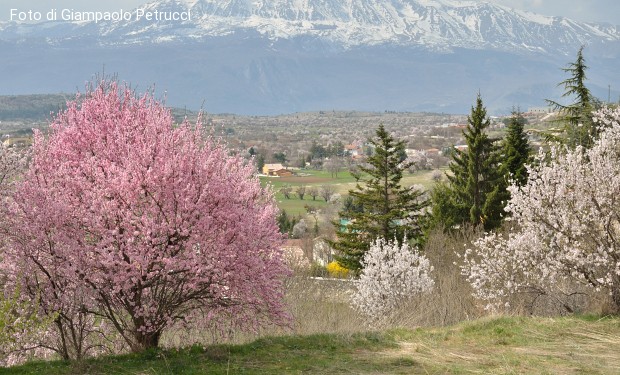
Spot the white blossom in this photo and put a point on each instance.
(300, 229)
(12, 163)
(391, 274)
(568, 224)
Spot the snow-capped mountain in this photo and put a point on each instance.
(437, 24)
(272, 56)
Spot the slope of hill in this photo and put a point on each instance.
(31, 107)
(490, 346)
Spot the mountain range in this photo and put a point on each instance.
(281, 56)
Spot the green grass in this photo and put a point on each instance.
(504, 345)
(296, 206)
(342, 184)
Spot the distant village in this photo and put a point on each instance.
(288, 143)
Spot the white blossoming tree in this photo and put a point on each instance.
(392, 273)
(568, 226)
(12, 164)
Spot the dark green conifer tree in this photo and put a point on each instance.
(260, 163)
(475, 192)
(516, 150)
(387, 209)
(578, 128)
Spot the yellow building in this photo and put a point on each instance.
(17, 142)
(272, 169)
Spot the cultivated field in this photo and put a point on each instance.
(341, 183)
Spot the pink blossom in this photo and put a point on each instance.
(126, 218)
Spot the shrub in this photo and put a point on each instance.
(392, 273)
(334, 269)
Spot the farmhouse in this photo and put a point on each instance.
(284, 173)
(17, 141)
(354, 150)
(276, 170)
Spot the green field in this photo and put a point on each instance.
(504, 345)
(342, 184)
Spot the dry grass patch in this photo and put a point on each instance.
(500, 345)
(515, 346)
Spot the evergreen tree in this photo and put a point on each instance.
(350, 205)
(286, 222)
(280, 157)
(516, 150)
(260, 163)
(475, 192)
(388, 210)
(578, 129)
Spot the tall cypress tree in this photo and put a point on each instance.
(578, 129)
(388, 210)
(476, 189)
(516, 150)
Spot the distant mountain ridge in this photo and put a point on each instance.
(275, 56)
(436, 24)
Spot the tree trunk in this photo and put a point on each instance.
(146, 341)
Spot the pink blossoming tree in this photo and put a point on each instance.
(18, 318)
(125, 220)
(568, 226)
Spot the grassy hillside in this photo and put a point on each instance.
(37, 107)
(31, 107)
(505, 345)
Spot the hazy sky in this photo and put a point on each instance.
(582, 10)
